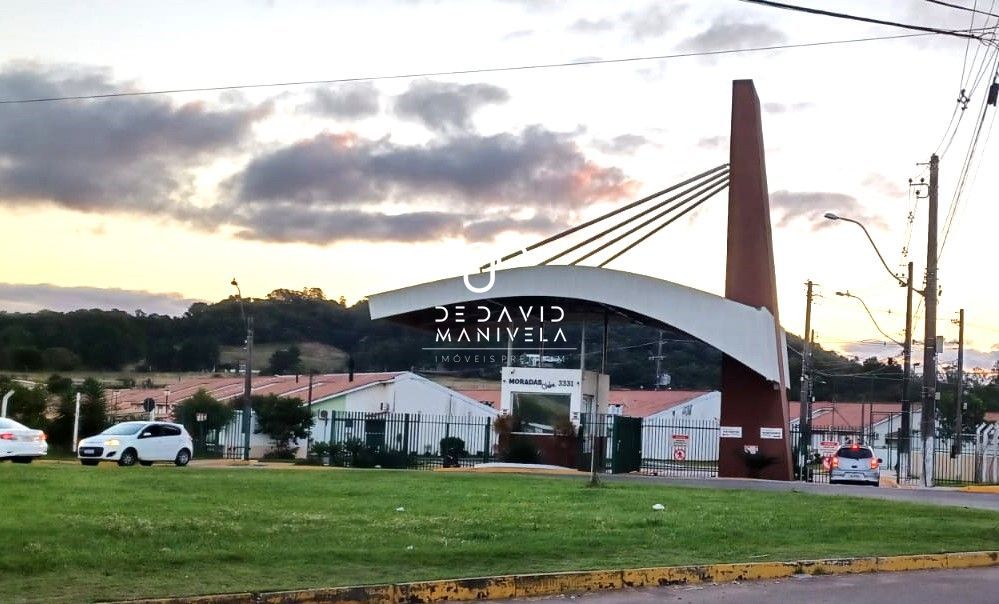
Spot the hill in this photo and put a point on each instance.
(209, 337)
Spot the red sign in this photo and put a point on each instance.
(679, 454)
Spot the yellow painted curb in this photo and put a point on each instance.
(550, 584)
(982, 488)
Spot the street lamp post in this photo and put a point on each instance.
(248, 320)
(905, 430)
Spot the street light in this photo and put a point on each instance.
(247, 373)
(847, 294)
(905, 429)
(894, 276)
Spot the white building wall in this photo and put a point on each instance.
(697, 419)
(379, 409)
(434, 412)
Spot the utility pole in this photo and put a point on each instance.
(959, 410)
(930, 331)
(905, 430)
(247, 387)
(308, 441)
(805, 418)
(659, 359)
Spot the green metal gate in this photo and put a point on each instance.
(626, 444)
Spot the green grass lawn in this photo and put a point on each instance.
(72, 534)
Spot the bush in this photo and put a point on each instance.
(320, 449)
(454, 446)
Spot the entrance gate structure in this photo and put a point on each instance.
(744, 324)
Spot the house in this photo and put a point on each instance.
(359, 405)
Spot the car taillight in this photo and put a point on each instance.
(874, 463)
(835, 462)
(7, 436)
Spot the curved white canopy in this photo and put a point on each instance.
(745, 333)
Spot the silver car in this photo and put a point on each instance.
(855, 464)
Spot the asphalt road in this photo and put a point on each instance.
(935, 496)
(968, 586)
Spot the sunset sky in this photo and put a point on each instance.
(156, 201)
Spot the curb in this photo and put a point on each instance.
(551, 584)
(993, 489)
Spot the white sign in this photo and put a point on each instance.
(828, 448)
(771, 433)
(731, 431)
(680, 442)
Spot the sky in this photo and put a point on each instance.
(358, 187)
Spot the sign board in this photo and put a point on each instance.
(149, 404)
(731, 432)
(201, 416)
(771, 433)
(680, 443)
(828, 448)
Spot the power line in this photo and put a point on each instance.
(959, 7)
(457, 72)
(826, 13)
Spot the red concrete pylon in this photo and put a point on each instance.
(748, 400)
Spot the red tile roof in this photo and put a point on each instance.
(226, 388)
(645, 403)
(636, 403)
(826, 414)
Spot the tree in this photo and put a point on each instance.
(972, 416)
(285, 361)
(218, 414)
(26, 405)
(93, 413)
(285, 420)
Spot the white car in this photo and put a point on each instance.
(20, 443)
(142, 442)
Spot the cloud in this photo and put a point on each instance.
(287, 194)
(783, 108)
(649, 22)
(726, 33)
(624, 144)
(520, 33)
(713, 142)
(653, 21)
(344, 101)
(813, 206)
(447, 107)
(884, 185)
(20, 297)
(590, 26)
(126, 154)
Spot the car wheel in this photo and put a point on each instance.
(143, 462)
(21, 460)
(89, 462)
(128, 458)
(183, 457)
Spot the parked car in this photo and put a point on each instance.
(20, 443)
(855, 464)
(129, 443)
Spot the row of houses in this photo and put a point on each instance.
(664, 412)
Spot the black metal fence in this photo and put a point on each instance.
(404, 439)
(972, 461)
(670, 446)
